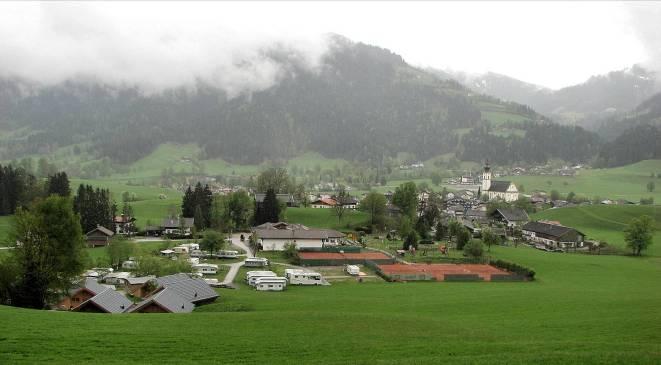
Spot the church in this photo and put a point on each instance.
(494, 189)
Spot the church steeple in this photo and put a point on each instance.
(486, 177)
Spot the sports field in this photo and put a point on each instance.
(581, 309)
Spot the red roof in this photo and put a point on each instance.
(325, 201)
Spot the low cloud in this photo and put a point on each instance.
(646, 22)
(52, 42)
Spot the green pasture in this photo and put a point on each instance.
(627, 182)
(582, 309)
(5, 225)
(606, 222)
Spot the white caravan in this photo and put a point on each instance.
(206, 269)
(252, 276)
(352, 270)
(256, 262)
(303, 277)
(227, 254)
(271, 284)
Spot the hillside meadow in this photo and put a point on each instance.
(582, 309)
(606, 222)
(627, 182)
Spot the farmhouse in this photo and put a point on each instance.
(323, 203)
(177, 226)
(553, 235)
(511, 217)
(494, 189)
(99, 236)
(274, 236)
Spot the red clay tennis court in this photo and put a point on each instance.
(438, 271)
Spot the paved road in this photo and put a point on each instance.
(234, 268)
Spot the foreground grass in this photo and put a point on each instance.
(5, 225)
(583, 309)
(606, 222)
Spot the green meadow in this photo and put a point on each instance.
(325, 218)
(582, 309)
(627, 182)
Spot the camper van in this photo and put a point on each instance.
(206, 269)
(130, 265)
(198, 254)
(352, 270)
(194, 260)
(271, 284)
(256, 262)
(226, 254)
(252, 276)
(303, 277)
(181, 249)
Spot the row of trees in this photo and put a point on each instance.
(197, 204)
(95, 207)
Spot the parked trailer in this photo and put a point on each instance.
(226, 254)
(252, 276)
(303, 277)
(206, 269)
(352, 270)
(181, 249)
(271, 284)
(256, 262)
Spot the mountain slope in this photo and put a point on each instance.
(362, 103)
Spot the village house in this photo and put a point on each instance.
(494, 189)
(99, 236)
(194, 290)
(511, 217)
(178, 226)
(274, 236)
(552, 235)
(108, 301)
(124, 225)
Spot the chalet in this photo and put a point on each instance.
(274, 236)
(108, 301)
(99, 236)
(141, 286)
(552, 235)
(324, 203)
(190, 289)
(90, 287)
(164, 301)
(349, 202)
(124, 225)
(478, 215)
(494, 189)
(177, 226)
(511, 217)
(286, 199)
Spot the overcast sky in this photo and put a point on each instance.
(155, 44)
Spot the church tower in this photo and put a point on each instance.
(486, 178)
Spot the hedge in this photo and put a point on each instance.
(514, 268)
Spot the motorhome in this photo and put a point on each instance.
(194, 260)
(227, 254)
(252, 276)
(256, 262)
(181, 249)
(206, 269)
(271, 284)
(191, 246)
(303, 277)
(352, 270)
(198, 254)
(130, 264)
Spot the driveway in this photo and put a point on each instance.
(234, 268)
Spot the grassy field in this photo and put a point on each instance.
(324, 218)
(606, 222)
(5, 222)
(582, 309)
(627, 182)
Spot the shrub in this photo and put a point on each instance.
(514, 268)
(474, 249)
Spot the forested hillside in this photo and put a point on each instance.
(362, 103)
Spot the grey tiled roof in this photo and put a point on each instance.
(103, 230)
(551, 230)
(139, 280)
(109, 301)
(298, 233)
(168, 300)
(499, 186)
(513, 214)
(175, 222)
(93, 286)
(190, 289)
